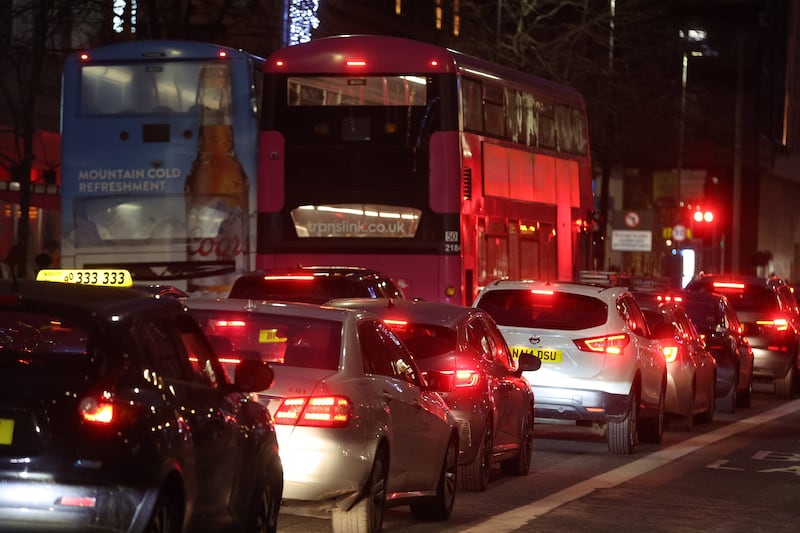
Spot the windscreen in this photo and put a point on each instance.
(424, 340)
(277, 339)
(544, 309)
(43, 341)
(357, 154)
(143, 87)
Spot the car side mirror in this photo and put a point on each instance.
(529, 362)
(438, 381)
(253, 375)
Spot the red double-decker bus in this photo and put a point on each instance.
(443, 170)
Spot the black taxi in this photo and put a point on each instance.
(116, 415)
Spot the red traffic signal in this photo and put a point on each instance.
(703, 216)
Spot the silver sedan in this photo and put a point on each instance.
(358, 427)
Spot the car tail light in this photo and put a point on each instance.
(779, 324)
(670, 353)
(666, 298)
(104, 410)
(610, 344)
(318, 411)
(230, 323)
(76, 501)
(729, 285)
(463, 378)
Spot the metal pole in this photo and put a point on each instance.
(682, 125)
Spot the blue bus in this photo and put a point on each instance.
(159, 162)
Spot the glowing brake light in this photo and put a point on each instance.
(321, 411)
(667, 298)
(96, 410)
(77, 501)
(298, 277)
(609, 344)
(84, 56)
(780, 324)
(356, 63)
(222, 53)
(670, 353)
(463, 378)
(542, 292)
(728, 285)
(230, 323)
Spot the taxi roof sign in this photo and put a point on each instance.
(88, 276)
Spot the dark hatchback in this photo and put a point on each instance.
(717, 321)
(491, 401)
(115, 415)
(768, 312)
(314, 284)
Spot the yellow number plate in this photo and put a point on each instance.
(109, 277)
(6, 430)
(547, 355)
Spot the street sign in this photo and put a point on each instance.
(678, 233)
(632, 241)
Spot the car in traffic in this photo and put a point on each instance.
(491, 401)
(769, 315)
(691, 369)
(601, 363)
(724, 337)
(116, 415)
(359, 427)
(314, 284)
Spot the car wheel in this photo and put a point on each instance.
(707, 416)
(727, 403)
(440, 507)
(474, 477)
(652, 429)
(622, 434)
(166, 517)
(784, 385)
(366, 516)
(521, 464)
(263, 513)
(745, 398)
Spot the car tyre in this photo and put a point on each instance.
(521, 464)
(745, 398)
(784, 386)
(728, 402)
(262, 516)
(622, 435)
(441, 506)
(651, 430)
(166, 516)
(707, 416)
(366, 516)
(474, 477)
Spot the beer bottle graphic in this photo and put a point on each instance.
(216, 190)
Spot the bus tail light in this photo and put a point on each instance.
(609, 344)
(315, 411)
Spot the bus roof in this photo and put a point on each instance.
(155, 49)
(381, 54)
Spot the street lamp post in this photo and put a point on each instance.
(692, 39)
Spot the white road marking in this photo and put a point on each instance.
(519, 517)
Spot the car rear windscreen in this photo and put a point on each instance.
(546, 310)
(43, 340)
(297, 289)
(277, 339)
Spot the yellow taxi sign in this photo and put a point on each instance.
(108, 277)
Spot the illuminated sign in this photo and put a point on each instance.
(107, 277)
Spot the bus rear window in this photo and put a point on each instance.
(143, 88)
(357, 91)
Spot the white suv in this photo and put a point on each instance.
(600, 361)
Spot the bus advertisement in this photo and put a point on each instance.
(159, 155)
(442, 170)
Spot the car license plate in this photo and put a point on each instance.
(547, 355)
(6, 430)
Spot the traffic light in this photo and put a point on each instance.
(703, 224)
